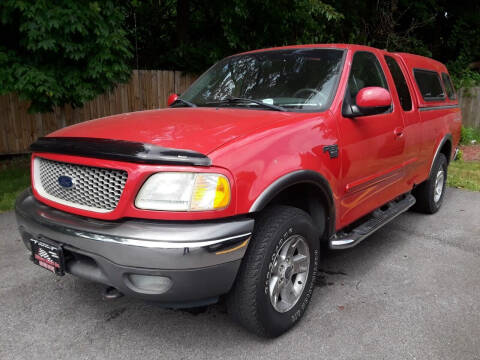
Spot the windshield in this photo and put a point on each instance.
(302, 79)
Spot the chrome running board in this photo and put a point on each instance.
(377, 219)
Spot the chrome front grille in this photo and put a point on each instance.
(84, 187)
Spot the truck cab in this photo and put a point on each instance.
(232, 192)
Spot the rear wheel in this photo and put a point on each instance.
(430, 194)
(276, 278)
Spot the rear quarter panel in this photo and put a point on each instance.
(438, 123)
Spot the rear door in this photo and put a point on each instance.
(411, 119)
(372, 147)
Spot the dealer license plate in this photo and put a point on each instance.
(48, 255)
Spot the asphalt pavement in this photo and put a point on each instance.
(410, 291)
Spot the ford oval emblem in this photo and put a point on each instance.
(66, 182)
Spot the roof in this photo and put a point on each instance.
(307, 46)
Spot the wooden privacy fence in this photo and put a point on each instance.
(469, 100)
(145, 90)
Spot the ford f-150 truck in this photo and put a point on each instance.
(233, 190)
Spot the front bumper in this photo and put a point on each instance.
(199, 259)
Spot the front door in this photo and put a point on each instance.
(372, 147)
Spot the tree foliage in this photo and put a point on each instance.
(55, 52)
(192, 34)
(67, 51)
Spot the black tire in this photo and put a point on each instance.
(249, 301)
(425, 192)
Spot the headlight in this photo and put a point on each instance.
(183, 191)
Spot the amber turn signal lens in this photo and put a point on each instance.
(222, 194)
(210, 192)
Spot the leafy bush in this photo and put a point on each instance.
(191, 35)
(459, 156)
(62, 52)
(469, 136)
(462, 76)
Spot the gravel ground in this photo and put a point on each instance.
(410, 291)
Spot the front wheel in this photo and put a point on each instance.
(276, 279)
(430, 194)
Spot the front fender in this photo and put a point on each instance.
(290, 179)
(300, 177)
(291, 152)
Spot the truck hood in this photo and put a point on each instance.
(198, 129)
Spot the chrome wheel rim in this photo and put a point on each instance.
(439, 184)
(289, 273)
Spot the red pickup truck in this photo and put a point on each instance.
(231, 192)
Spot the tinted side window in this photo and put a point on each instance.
(448, 86)
(429, 84)
(366, 71)
(400, 83)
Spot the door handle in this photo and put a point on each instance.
(398, 132)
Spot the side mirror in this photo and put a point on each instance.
(171, 99)
(369, 101)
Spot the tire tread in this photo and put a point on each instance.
(423, 192)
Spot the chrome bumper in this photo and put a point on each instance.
(181, 251)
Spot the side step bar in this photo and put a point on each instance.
(377, 219)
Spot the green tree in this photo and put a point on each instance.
(448, 31)
(67, 51)
(55, 52)
(192, 34)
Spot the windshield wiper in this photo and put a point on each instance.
(188, 103)
(233, 100)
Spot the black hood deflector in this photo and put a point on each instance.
(120, 150)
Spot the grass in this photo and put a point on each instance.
(470, 136)
(464, 175)
(14, 178)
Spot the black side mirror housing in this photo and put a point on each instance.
(352, 111)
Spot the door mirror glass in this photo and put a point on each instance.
(171, 99)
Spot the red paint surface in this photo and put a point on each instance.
(373, 97)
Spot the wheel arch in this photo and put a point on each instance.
(445, 147)
(305, 189)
